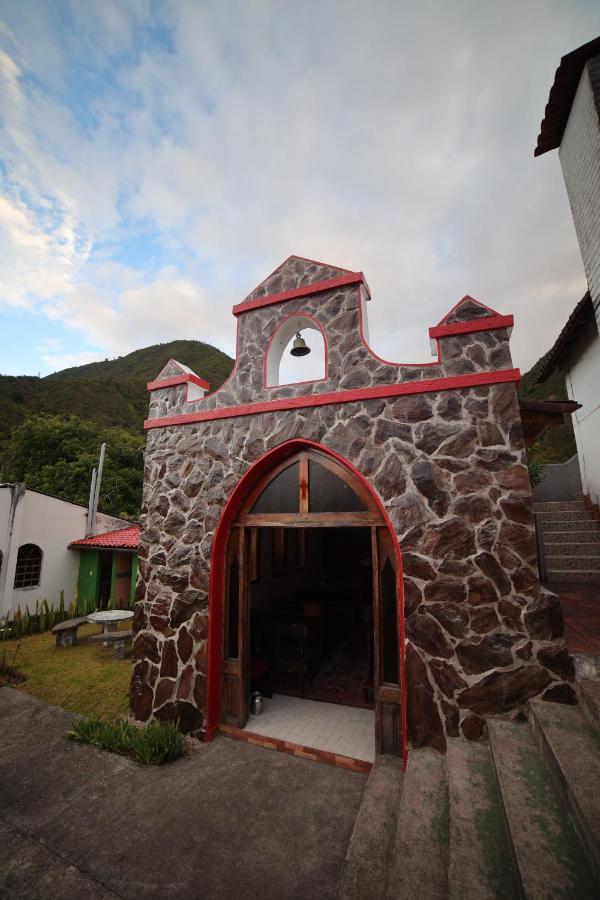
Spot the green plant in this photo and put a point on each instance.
(534, 466)
(152, 744)
(7, 669)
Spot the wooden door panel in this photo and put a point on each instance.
(388, 692)
(234, 694)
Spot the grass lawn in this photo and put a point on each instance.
(84, 679)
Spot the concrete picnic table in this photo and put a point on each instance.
(109, 617)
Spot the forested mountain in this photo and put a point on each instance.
(112, 392)
(557, 444)
(51, 428)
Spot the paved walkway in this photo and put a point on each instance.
(580, 603)
(229, 821)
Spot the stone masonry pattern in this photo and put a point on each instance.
(482, 636)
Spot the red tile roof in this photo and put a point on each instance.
(123, 539)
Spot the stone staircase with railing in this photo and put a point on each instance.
(570, 539)
(518, 817)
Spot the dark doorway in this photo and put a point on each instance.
(308, 627)
(105, 580)
(311, 614)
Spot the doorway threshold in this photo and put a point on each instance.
(338, 735)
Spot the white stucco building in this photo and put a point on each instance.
(572, 124)
(35, 560)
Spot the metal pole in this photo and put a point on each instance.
(90, 512)
(98, 484)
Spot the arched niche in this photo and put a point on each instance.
(309, 368)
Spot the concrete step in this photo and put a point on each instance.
(571, 748)
(583, 525)
(419, 860)
(555, 518)
(589, 697)
(480, 861)
(559, 506)
(549, 859)
(578, 561)
(587, 667)
(573, 536)
(562, 574)
(365, 868)
(581, 548)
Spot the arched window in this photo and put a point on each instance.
(308, 489)
(29, 566)
(283, 368)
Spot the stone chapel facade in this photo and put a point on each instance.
(440, 448)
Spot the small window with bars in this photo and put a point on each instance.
(29, 566)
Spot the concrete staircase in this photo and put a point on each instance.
(571, 541)
(516, 818)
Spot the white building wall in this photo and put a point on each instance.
(27, 517)
(583, 385)
(579, 155)
(51, 524)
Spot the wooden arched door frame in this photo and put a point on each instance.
(237, 517)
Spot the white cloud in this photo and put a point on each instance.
(389, 137)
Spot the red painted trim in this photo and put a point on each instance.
(486, 324)
(304, 315)
(315, 262)
(465, 299)
(304, 291)
(216, 584)
(185, 378)
(406, 388)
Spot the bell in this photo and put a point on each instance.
(299, 348)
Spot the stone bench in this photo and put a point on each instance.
(66, 632)
(117, 638)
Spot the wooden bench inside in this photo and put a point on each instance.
(66, 632)
(117, 638)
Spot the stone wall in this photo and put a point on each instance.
(449, 467)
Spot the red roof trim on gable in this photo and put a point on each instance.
(173, 380)
(467, 299)
(314, 262)
(488, 323)
(406, 388)
(304, 291)
(122, 539)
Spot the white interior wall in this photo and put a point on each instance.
(583, 380)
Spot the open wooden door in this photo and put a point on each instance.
(235, 638)
(387, 634)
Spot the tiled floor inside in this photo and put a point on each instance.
(345, 730)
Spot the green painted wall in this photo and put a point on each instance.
(113, 578)
(89, 578)
(134, 569)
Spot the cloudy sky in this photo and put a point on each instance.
(158, 159)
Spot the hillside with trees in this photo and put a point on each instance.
(557, 444)
(112, 392)
(51, 428)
